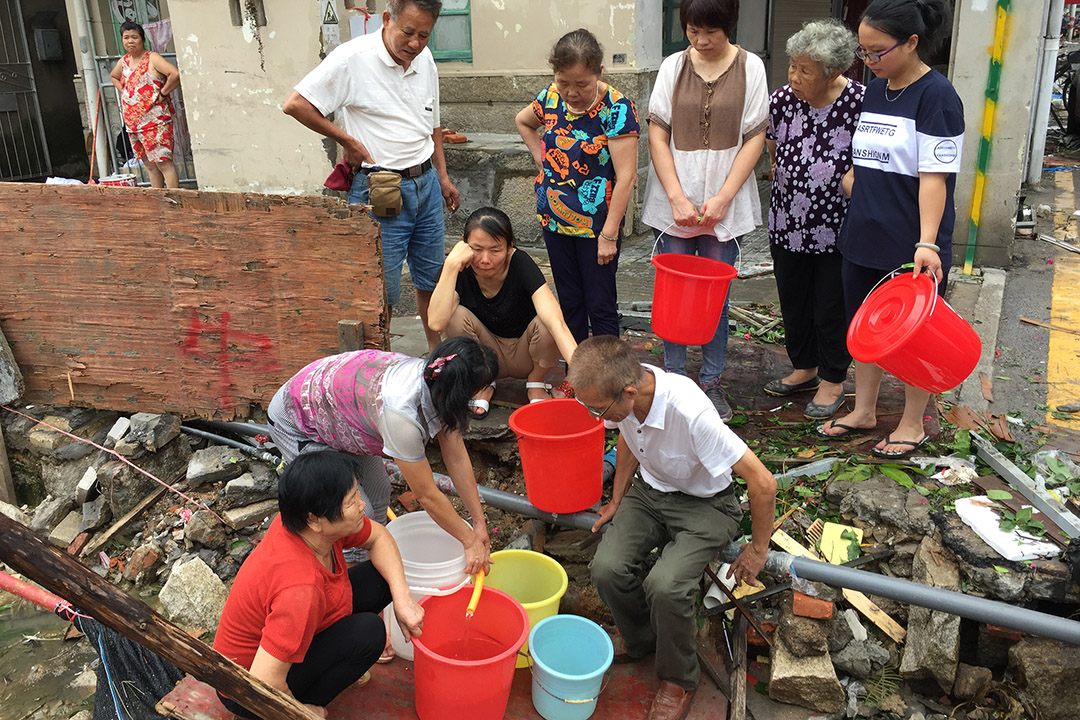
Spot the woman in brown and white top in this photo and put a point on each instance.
(707, 117)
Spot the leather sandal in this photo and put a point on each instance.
(484, 405)
(546, 387)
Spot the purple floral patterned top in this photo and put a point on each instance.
(813, 151)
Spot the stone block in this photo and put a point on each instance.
(87, 487)
(125, 487)
(250, 514)
(152, 431)
(95, 514)
(972, 682)
(204, 530)
(50, 512)
(573, 546)
(9, 510)
(803, 635)
(251, 487)
(65, 532)
(214, 464)
(932, 649)
(11, 379)
(193, 596)
(1050, 672)
(62, 478)
(118, 431)
(808, 682)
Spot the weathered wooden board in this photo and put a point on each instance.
(197, 303)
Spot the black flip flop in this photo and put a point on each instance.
(848, 430)
(913, 446)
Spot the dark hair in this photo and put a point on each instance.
(493, 221)
(315, 483)
(579, 47)
(931, 20)
(130, 25)
(431, 7)
(713, 14)
(454, 381)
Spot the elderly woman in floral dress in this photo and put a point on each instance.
(811, 122)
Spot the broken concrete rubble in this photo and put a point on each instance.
(259, 484)
(65, 532)
(933, 642)
(213, 464)
(193, 596)
(809, 682)
(1049, 671)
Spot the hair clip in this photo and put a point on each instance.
(437, 364)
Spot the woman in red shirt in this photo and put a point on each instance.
(297, 617)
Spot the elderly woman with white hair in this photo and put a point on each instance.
(811, 123)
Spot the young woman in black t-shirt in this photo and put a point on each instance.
(493, 292)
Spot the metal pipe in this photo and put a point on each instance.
(90, 80)
(780, 564)
(248, 449)
(1051, 42)
(515, 503)
(240, 428)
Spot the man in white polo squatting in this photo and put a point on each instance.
(683, 503)
(388, 89)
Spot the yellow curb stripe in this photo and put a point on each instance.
(1063, 358)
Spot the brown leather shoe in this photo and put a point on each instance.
(671, 702)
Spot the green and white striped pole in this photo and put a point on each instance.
(993, 84)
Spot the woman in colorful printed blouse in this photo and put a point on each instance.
(586, 151)
(375, 404)
(145, 81)
(906, 152)
(811, 122)
(707, 118)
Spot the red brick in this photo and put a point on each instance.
(811, 607)
(1004, 632)
(754, 639)
(78, 543)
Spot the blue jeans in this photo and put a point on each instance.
(712, 352)
(417, 233)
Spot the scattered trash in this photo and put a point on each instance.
(982, 515)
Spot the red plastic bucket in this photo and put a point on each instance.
(562, 454)
(466, 671)
(688, 297)
(908, 330)
(118, 180)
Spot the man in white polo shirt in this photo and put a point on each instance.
(387, 87)
(683, 504)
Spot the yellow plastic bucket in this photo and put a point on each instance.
(533, 579)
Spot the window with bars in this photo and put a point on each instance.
(451, 41)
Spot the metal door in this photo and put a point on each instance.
(23, 152)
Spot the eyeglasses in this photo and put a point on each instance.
(600, 414)
(874, 57)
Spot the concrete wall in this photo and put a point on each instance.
(972, 43)
(235, 80)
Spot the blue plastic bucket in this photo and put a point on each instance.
(570, 655)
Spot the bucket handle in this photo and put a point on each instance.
(734, 239)
(608, 674)
(900, 271)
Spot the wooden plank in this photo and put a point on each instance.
(856, 599)
(97, 543)
(190, 302)
(738, 673)
(29, 554)
(1048, 326)
(350, 335)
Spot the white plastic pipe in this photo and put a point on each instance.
(90, 80)
(1048, 64)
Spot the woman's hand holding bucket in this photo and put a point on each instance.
(410, 617)
(928, 259)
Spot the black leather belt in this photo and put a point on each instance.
(726, 491)
(410, 172)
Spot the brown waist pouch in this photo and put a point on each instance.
(384, 193)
